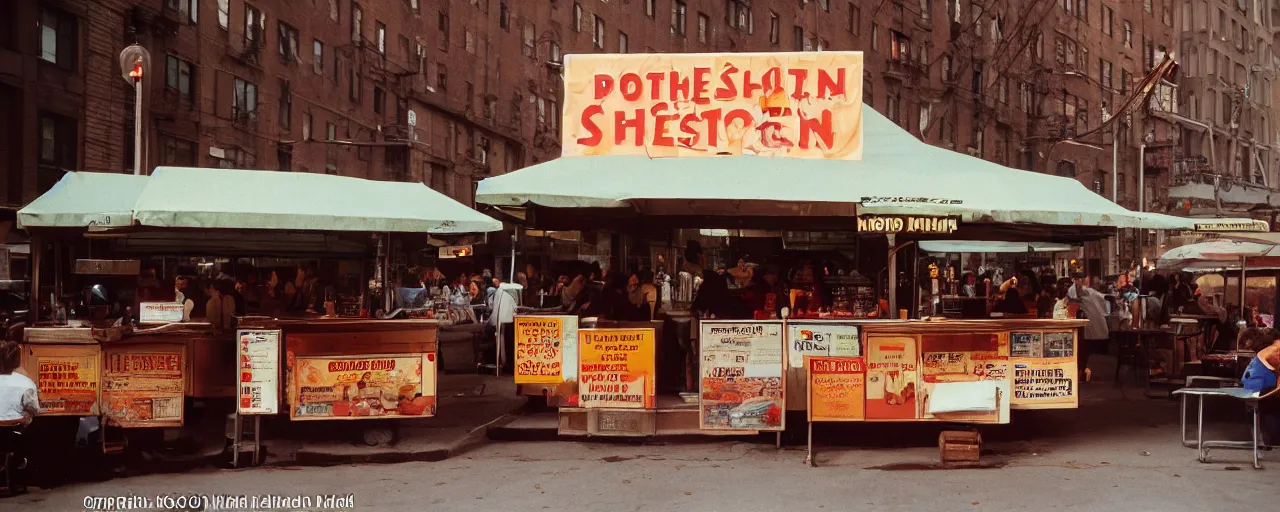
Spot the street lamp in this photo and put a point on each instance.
(134, 61)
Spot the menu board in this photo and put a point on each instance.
(965, 377)
(1044, 373)
(616, 368)
(741, 385)
(546, 349)
(160, 312)
(258, 374)
(143, 386)
(892, 373)
(837, 388)
(66, 379)
(821, 339)
(363, 387)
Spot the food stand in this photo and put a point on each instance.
(767, 143)
(321, 363)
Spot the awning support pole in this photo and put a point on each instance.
(37, 258)
(892, 292)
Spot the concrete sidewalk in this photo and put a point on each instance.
(468, 405)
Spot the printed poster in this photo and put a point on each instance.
(363, 387)
(1059, 344)
(160, 312)
(742, 381)
(950, 366)
(1026, 344)
(892, 373)
(546, 349)
(617, 368)
(821, 339)
(143, 387)
(1044, 383)
(837, 388)
(68, 384)
(259, 372)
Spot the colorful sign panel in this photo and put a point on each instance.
(892, 375)
(965, 377)
(1045, 375)
(143, 387)
(837, 388)
(616, 368)
(821, 339)
(908, 224)
(742, 382)
(794, 104)
(546, 349)
(68, 384)
(258, 375)
(363, 387)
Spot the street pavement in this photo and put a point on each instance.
(1118, 451)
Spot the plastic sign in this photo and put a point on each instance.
(160, 312)
(907, 224)
(793, 104)
(456, 251)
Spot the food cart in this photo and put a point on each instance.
(769, 143)
(138, 361)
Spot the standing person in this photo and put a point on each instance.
(502, 311)
(642, 296)
(1096, 334)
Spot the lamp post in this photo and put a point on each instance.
(134, 61)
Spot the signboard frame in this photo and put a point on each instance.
(273, 339)
(34, 353)
(645, 352)
(708, 356)
(127, 352)
(1065, 364)
(427, 359)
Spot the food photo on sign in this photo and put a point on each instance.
(742, 385)
(361, 387)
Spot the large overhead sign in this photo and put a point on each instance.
(795, 104)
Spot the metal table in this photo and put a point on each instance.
(1250, 399)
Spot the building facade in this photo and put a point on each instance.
(448, 92)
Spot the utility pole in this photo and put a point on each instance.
(1115, 189)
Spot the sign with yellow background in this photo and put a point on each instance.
(837, 388)
(144, 387)
(540, 349)
(68, 384)
(793, 104)
(616, 368)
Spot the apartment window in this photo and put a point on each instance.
(1166, 12)
(899, 46)
(317, 57)
(355, 84)
(797, 37)
(825, 4)
(381, 32)
(854, 18)
(1104, 74)
(622, 42)
(649, 8)
(679, 11)
(1067, 5)
(442, 24)
(1024, 97)
(1107, 18)
(57, 149)
(357, 23)
(177, 76)
(1082, 10)
(1146, 6)
(1128, 34)
(925, 7)
(1124, 82)
(379, 98)
(288, 42)
(306, 126)
(185, 8)
(442, 77)
(285, 114)
(528, 35)
(337, 68)
(891, 107)
(1003, 84)
(254, 23)
(330, 131)
(597, 37)
(1186, 17)
(555, 52)
(577, 17)
(976, 84)
(948, 68)
(703, 21)
(224, 13)
(244, 101)
(504, 15)
(978, 143)
(775, 26)
(178, 152)
(1222, 22)
(875, 36)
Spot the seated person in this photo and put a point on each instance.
(19, 403)
(1260, 377)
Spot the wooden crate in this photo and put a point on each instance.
(959, 448)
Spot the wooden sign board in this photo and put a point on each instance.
(108, 267)
(144, 385)
(837, 389)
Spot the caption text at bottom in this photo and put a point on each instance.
(229, 502)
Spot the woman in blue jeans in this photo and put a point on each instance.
(1260, 377)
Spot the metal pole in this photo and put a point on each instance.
(137, 126)
(515, 235)
(808, 458)
(893, 278)
(1142, 191)
(1115, 197)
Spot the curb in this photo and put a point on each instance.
(473, 439)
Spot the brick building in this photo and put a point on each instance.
(448, 92)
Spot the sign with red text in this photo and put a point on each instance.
(617, 368)
(546, 349)
(364, 387)
(258, 372)
(837, 388)
(143, 386)
(793, 104)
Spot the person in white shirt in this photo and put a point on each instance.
(502, 312)
(1096, 333)
(19, 400)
